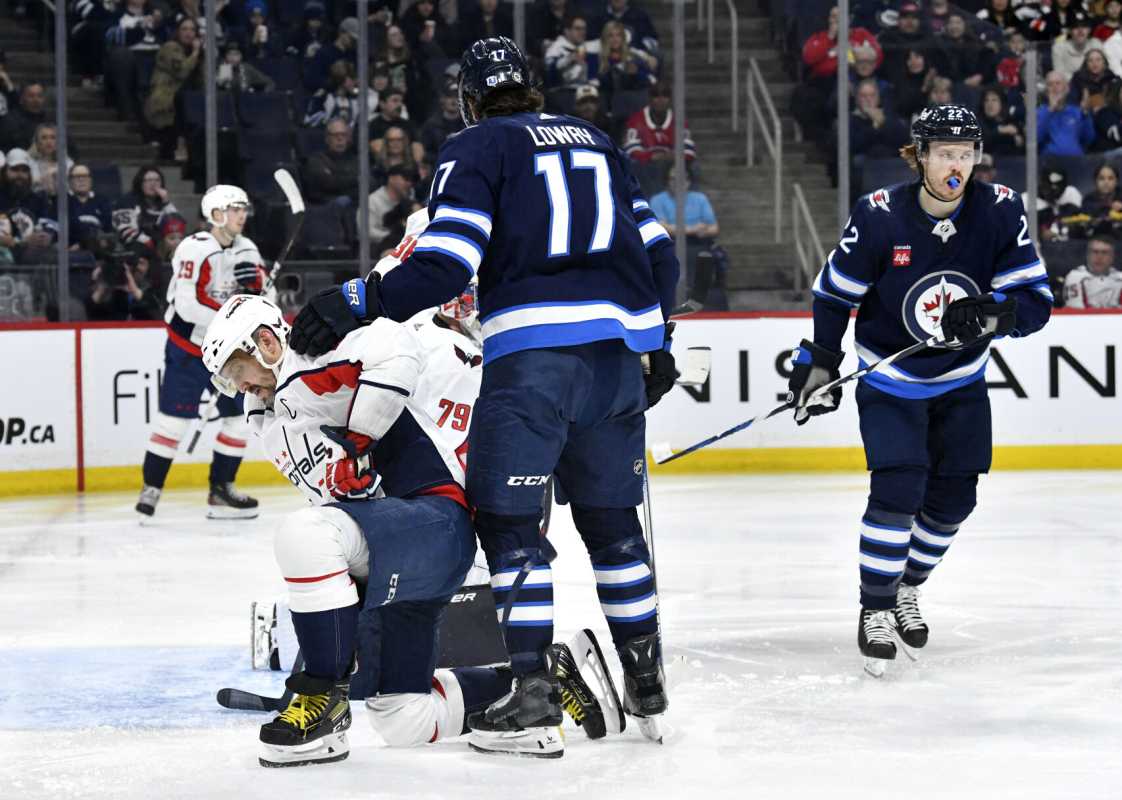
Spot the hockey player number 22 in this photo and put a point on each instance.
(551, 166)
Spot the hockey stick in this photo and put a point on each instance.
(296, 207)
(649, 726)
(698, 362)
(662, 452)
(206, 416)
(241, 700)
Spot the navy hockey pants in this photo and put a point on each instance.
(925, 456)
(576, 412)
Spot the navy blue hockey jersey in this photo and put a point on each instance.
(901, 268)
(567, 251)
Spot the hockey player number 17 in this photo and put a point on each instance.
(551, 167)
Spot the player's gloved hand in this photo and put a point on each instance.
(352, 476)
(814, 367)
(249, 277)
(968, 319)
(659, 373)
(332, 314)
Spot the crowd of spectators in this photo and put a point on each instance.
(287, 73)
(906, 55)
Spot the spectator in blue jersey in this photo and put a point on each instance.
(614, 65)
(305, 40)
(566, 62)
(577, 280)
(30, 227)
(316, 68)
(259, 39)
(1063, 129)
(91, 214)
(135, 34)
(138, 215)
(640, 29)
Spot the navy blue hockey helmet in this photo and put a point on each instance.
(490, 64)
(949, 123)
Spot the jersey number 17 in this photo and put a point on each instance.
(551, 166)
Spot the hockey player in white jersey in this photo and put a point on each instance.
(207, 268)
(1096, 284)
(349, 430)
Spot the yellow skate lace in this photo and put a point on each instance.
(304, 709)
(572, 705)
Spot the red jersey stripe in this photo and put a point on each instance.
(450, 490)
(184, 344)
(229, 441)
(200, 287)
(315, 578)
(165, 441)
(332, 378)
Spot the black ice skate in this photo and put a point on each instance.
(644, 684)
(523, 723)
(596, 712)
(146, 505)
(226, 502)
(910, 626)
(313, 729)
(876, 639)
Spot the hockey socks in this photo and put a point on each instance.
(481, 686)
(327, 640)
(155, 469)
(223, 468)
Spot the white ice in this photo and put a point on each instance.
(114, 638)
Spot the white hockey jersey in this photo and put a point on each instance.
(1082, 289)
(202, 279)
(381, 382)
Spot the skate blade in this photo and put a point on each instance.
(875, 666)
(586, 650)
(225, 512)
(650, 727)
(325, 750)
(911, 652)
(526, 743)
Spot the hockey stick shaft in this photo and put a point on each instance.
(206, 411)
(876, 366)
(296, 207)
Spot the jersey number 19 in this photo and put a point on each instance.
(551, 166)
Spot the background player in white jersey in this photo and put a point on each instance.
(207, 268)
(1096, 284)
(348, 429)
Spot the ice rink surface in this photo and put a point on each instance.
(114, 638)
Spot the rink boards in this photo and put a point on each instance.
(78, 399)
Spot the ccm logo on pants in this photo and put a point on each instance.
(527, 480)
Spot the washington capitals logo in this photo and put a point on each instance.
(928, 298)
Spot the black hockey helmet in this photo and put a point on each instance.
(490, 64)
(949, 123)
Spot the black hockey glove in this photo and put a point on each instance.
(968, 319)
(332, 314)
(249, 277)
(659, 373)
(814, 367)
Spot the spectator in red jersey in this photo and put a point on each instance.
(1111, 21)
(650, 131)
(820, 58)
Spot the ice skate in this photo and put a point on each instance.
(598, 713)
(525, 722)
(146, 504)
(910, 626)
(262, 623)
(226, 502)
(875, 638)
(644, 684)
(313, 729)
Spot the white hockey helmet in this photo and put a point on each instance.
(232, 329)
(464, 309)
(220, 197)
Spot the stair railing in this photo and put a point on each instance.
(734, 51)
(761, 111)
(809, 255)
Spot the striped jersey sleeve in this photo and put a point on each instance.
(1018, 268)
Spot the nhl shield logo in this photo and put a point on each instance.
(925, 302)
(902, 255)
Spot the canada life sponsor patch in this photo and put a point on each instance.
(902, 255)
(927, 299)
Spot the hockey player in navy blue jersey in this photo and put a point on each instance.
(943, 254)
(576, 283)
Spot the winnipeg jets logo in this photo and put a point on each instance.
(927, 300)
(1002, 193)
(879, 199)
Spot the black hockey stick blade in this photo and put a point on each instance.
(241, 700)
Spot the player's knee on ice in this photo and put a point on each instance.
(407, 720)
(318, 550)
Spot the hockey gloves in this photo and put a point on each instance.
(351, 477)
(249, 277)
(332, 314)
(659, 373)
(968, 319)
(814, 367)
